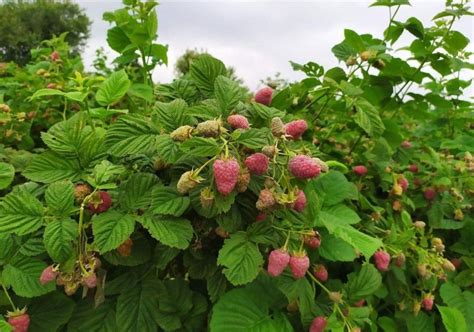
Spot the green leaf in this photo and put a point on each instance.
(167, 200)
(333, 187)
(89, 317)
(4, 326)
(111, 229)
(354, 40)
(453, 296)
(367, 117)
(339, 215)
(173, 232)
(59, 236)
(131, 134)
(343, 51)
(247, 309)
(363, 283)
(200, 147)
(455, 42)
(390, 3)
(241, 258)
(46, 92)
(136, 192)
(7, 173)
(204, 71)
(141, 252)
(172, 115)
(350, 90)
(453, 319)
(113, 88)
(228, 93)
(159, 53)
(336, 249)
(167, 149)
(50, 312)
(117, 39)
(420, 322)
(137, 308)
(20, 213)
(60, 197)
(23, 274)
(142, 91)
(415, 27)
(50, 167)
(105, 172)
(253, 138)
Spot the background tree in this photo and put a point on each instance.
(24, 25)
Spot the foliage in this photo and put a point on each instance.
(19, 33)
(121, 199)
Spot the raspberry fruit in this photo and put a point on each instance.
(125, 249)
(261, 217)
(51, 86)
(312, 242)
(243, 181)
(382, 260)
(278, 128)
(188, 181)
(413, 168)
(19, 320)
(264, 96)
(406, 144)
(206, 198)
(49, 274)
(300, 202)
(210, 128)
(400, 259)
(101, 203)
(81, 190)
(237, 121)
(295, 129)
(54, 56)
(299, 264)
(90, 280)
(269, 151)
(277, 262)
(182, 133)
(456, 262)
(430, 194)
(318, 324)
(359, 170)
(359, 303)
(403, 182)
(320, 272)
(266, 200)
(324, 167)
(428, 301)
(257, 163)
(226, 174)
(304, 167)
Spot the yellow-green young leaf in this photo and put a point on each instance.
(59, 237)
(49, 312)
(22, 274)
(113, 88)
(60, 197)
(137, 308)
(89, 317)
(363, 283)
(20, 213)
(173, 232)
(7, 172)
(368, 118)
(111, 229)
(49, 167)
(4, 326)
(167, 200)
(241, 259)
(453, 319)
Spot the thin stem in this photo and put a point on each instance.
(8, 297)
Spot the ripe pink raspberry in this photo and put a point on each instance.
(299, 264)
(406, 144)
(304, 167)
(19, 320)
(382, 260)
(277, 262)
(102, 203)
(456, 262)
(295, 129)
(261, 217)
(264, 96)
(320, 272)
(318, 324)
(237, 121)
(90, 280)
(312, 242)
(55, 56)
(359, 303)
(226, 174)
(430, 194)
(49, 274)
(300, 202)
(403, 182)
(413, 168)
(257, 163)
(51, 86)
(428, 301)
(359, 170)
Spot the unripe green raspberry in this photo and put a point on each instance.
(182, 133)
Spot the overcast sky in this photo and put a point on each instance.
(259, 38)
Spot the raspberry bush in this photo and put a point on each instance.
(341, 202)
